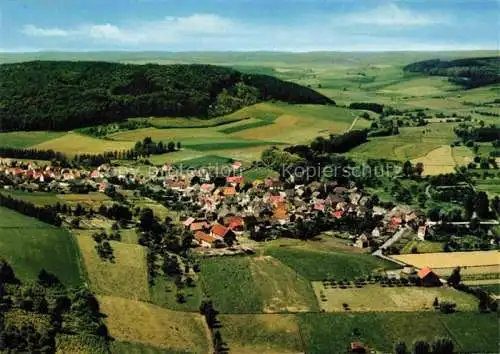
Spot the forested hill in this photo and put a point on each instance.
(469, 73)
(63, 95)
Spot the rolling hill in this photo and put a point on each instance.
(63, 95)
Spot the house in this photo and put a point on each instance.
(234, 223)
(219, 231)
(428, 277)
(376, 232)
(198, 226)
(234, 180)
(207, 187)
(204, 239)
(362, 241)
(337, 214)
(229, 191)
(236, 165)
(188, 221)
(357, 347)
(102, 186)
(422, 230)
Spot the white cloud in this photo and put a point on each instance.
(165, 31)
(393, 15)
(34, 31)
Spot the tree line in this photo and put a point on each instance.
(71, 95)
(467, 72)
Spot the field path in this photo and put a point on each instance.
(353, 124)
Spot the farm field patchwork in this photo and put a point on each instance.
(30, 245)
(266, 334)
(126, 276)
(471, 332)
(377, 298)
(143, 323)
(438, 161)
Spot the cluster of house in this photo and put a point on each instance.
(35, 177)
(268, 200)
(273, 205)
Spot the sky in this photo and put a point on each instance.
(248, 25)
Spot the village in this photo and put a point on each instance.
(221, 212)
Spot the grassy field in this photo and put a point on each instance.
(255, 285)
(27, 139)
(281, 288)
(73, 143)
(163, 293)
(411, 143)
(377, 298)
(126, 277)
(37, 198)
(315, 265)
(471, 332)
(423, 247)
(450, 259)
(117, 347)
(30, 245)
(266, 334)
(150, 325)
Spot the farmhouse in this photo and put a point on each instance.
(204, 239)
(428, 277)
(357, 347)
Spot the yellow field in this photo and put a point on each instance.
(438, 161)
(265, 334)
(475, 272)
(73, 143)
(282, 289)
(127, 277)
(377, 298)
(140, 322)
(451, 259)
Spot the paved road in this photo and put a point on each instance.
(489, 222)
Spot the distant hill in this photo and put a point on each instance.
(63, 95)
(469, 72)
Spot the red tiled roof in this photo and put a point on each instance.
(234, 179)
(338, 214)
(188, 221)
(424, 272)
(201, 236)
(219, 230)
(229, 191)
(195, 226)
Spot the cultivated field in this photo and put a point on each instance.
(140, 322)
(326, 333)
(451, 259)
(438, 161)
(267, 334)
(255, 285)
(27, 139)
(316, 265)
(125, 277)
(30, 245)
(377, 298)
(282, 289)
(37, 198)
(73, 143)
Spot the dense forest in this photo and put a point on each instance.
(469, 73)
(63, 95)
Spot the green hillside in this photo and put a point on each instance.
(62, 95)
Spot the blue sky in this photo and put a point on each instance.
(244, 25)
